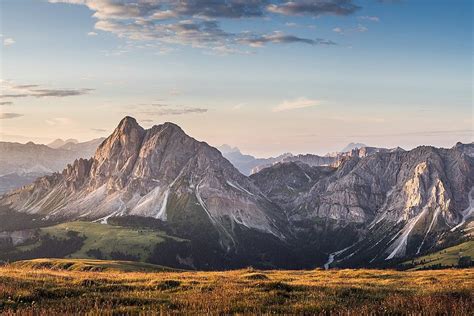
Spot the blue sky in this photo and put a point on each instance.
(268, 76)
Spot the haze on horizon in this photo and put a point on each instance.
(267, 76)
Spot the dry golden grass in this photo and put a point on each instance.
(358, 292)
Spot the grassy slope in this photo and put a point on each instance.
(107, 238)
(447, 257)
(89, 265)
(45, 291)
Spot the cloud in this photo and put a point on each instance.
(174, 111)
(8, 41)
(99, 130)
(92, 34)
(314, 7)
(59, 121)
(4, 116)
(280, 38)
(198, 23)
(6, 103)
(163, 109)
(11, 90)
(358, 29)
(298, 103)
(370, 18)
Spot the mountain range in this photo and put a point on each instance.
(366, 207)
(21, 164)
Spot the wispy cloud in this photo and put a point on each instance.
(278, 37)
(4, 116)
(358, 29)
(369, 18)
(298, 103)
(12, 90)
(99, 130)
(59, 121)
(163, 109)
(6, 103)
(92, 34)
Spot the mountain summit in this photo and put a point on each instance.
(159, 172)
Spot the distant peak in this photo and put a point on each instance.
(352, 146)
(228, 149)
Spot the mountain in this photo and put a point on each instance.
(352, 146)
(309, 159)
(393, 204)
(160, 173)
(369, 207)
(21, 164)
(57, 143)
(246, 164)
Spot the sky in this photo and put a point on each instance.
(267, 76)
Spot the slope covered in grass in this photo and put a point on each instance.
(448, 257)
(89, 265)
(88, 240)
(34, 290)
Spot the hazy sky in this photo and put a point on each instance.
(266, 76)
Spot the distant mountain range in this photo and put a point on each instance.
(370, 207)
(21, 164)
(248, 164)
(57, 143)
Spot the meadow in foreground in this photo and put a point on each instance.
(64, 287)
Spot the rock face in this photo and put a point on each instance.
(404, 201)
(160, 172)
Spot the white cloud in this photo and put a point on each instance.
(298, 103)
(370, 18)
(8, 41)
(198, 23)
(361, 28)
(338, 30)
(92, 34)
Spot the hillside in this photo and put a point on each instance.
(77, 265)
(31, 288)
(446, 258)
(86, 240)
